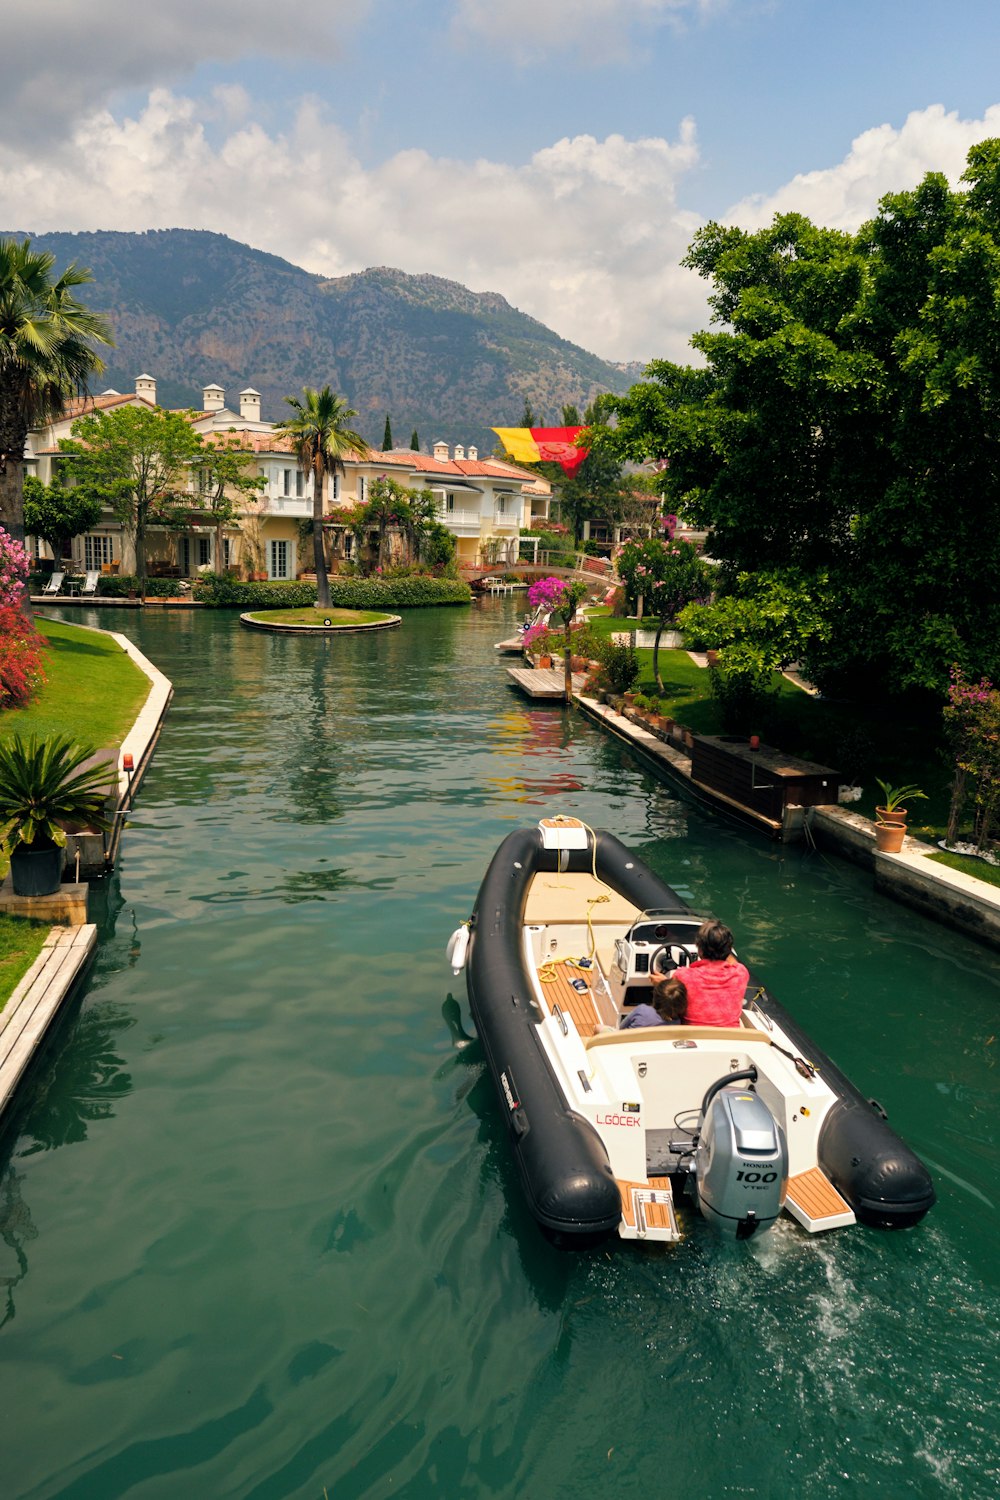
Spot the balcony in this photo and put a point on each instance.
(289, 505)
(461, 522)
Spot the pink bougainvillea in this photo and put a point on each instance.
(546, 591)
(14, 568)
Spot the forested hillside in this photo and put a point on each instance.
(190, 307)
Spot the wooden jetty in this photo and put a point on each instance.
(512, 646)
(543, 682)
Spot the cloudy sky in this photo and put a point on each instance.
(560, 152)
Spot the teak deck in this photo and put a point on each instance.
(815, 1202)
(583, 1009)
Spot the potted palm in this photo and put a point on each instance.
(42, 791)
(890, 825)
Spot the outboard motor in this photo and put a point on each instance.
(741, 1160)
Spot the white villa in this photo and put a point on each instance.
(484, 501)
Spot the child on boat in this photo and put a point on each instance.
(669, 1007)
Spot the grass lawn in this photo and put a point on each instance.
(813, 728)
(92, 691)
(310, 615)
(20, 944)
(979, 869)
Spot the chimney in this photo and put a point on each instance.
(459, 452)
(250, 405)
(145, 386)
(473, 454)
(213, 398)
(441, 452)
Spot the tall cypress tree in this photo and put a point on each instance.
(414, 441)
(387, 436)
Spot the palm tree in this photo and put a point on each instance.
(46, 354)
(322, 440)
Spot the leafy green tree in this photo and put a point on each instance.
(528, 416)
(322, 440)
(414, 441)
(225, 485)
(846, 423)
(57, 514)
(669, 575)
(387, 436)
(767, 622)
(136, 460)
(47, 353)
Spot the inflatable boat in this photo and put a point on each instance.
(611, 1128)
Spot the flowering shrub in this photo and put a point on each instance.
(21, 649)
(668, 575)
(548, 592)
(14, 568)
(972, 724)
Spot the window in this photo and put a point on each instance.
(279, 559)
(203, 546)
(287, 482)
(449, 504)
(336, 486)
(501, 505)
(97, 550)
(300, 483)
(362, 488)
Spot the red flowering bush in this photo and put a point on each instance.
(21, 648)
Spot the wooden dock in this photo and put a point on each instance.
(512, 646)
(544, 682)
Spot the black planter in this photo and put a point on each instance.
(36, 872)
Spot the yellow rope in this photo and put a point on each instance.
(547, 972)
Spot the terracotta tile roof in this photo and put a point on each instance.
(79, 406)
(484, 468)
(250, 442)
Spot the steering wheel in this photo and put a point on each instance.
(666, 960)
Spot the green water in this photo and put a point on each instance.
(259, 1233)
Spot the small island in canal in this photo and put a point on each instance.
(313, 620)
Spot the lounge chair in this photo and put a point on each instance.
(90, 582)
(54, 584)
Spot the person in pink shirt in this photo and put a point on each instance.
(716, 983)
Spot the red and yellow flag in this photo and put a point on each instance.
(529, 445)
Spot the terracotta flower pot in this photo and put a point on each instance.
(545, 661)
(889, 837)
(896, 818)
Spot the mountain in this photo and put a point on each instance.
(190, 308)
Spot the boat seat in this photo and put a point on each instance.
(569, 898)
(742, 1034)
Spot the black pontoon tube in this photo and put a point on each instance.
(561, 1159)
(560, 1156)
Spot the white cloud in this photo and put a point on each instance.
(882, 160)
(59, 60)
(600, 31)
(586, 235)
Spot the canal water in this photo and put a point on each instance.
(260, 1236)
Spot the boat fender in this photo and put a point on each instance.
(458, 947)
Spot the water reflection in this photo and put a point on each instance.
(16, 1229)
(80, 1080)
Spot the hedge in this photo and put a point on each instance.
(120, 585)
(345, 593)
